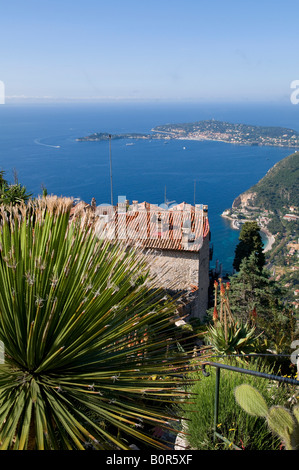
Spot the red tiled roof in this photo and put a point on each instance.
(182, 227)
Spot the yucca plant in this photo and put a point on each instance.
(85, 331)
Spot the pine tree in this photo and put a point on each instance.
(250, 241)
(254, 296)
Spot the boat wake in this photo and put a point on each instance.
(36, 141)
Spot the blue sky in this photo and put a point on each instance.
(216, 50)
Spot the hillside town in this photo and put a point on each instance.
(241, 134)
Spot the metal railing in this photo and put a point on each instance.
(220, 366)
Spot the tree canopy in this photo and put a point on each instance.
(250, 242)
(255, 297)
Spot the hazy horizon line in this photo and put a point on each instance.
(22, 99)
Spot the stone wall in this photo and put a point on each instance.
(185, 271)
(203, 277)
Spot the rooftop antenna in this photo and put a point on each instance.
(111, 187)
(166, 202)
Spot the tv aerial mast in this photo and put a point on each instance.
(110, 158)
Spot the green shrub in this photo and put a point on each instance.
(241, 429)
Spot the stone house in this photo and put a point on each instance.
(175, 240)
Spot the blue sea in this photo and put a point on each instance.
(39, 142)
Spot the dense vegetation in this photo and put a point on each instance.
(279, 187)
(248, 328)
(250, 241)
(241, 430)
(255, 297)
(268, 202)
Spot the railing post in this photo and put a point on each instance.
(219, 366)
(216, 403)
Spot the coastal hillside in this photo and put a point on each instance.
(277, 190)
(234, 133)
(274, 204)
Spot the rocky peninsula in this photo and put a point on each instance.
(211, 130)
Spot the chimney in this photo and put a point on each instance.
(93, 203)
(185, 238)
(121, 207)
(186, 230)
(171, 225)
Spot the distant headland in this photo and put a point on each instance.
(211, 130)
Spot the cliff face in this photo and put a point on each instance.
(277, 190)
(244, 200)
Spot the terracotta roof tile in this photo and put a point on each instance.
(182, 227)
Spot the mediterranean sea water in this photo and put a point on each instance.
(39, 142)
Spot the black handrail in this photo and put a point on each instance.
(220, 366)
